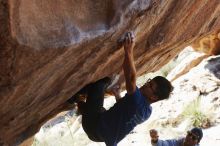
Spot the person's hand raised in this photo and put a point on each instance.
(128, 42)
(154, 135)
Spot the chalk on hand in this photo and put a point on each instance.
(121, 40)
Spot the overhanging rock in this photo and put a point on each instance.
(51, 49)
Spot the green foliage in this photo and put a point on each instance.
(36, 142)
(194, 112)
(166, 69)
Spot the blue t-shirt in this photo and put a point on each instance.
(170, 142)
(121, 119)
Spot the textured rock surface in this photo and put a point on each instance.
(190, 61)
(51, 49)
(209, 44)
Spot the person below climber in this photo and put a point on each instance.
(192, 138)
(111, 126)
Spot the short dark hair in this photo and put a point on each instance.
(164, 87)
(198, 132)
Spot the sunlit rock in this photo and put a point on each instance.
(51, 49)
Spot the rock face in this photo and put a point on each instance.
(209, 44)
(51, 49)
(190, 61)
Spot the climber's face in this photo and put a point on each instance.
(149, 90)
(191, 139)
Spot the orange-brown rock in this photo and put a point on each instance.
(209, 44)
(27, 142)
(51, 49)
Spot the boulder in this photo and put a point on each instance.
(51, 49)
